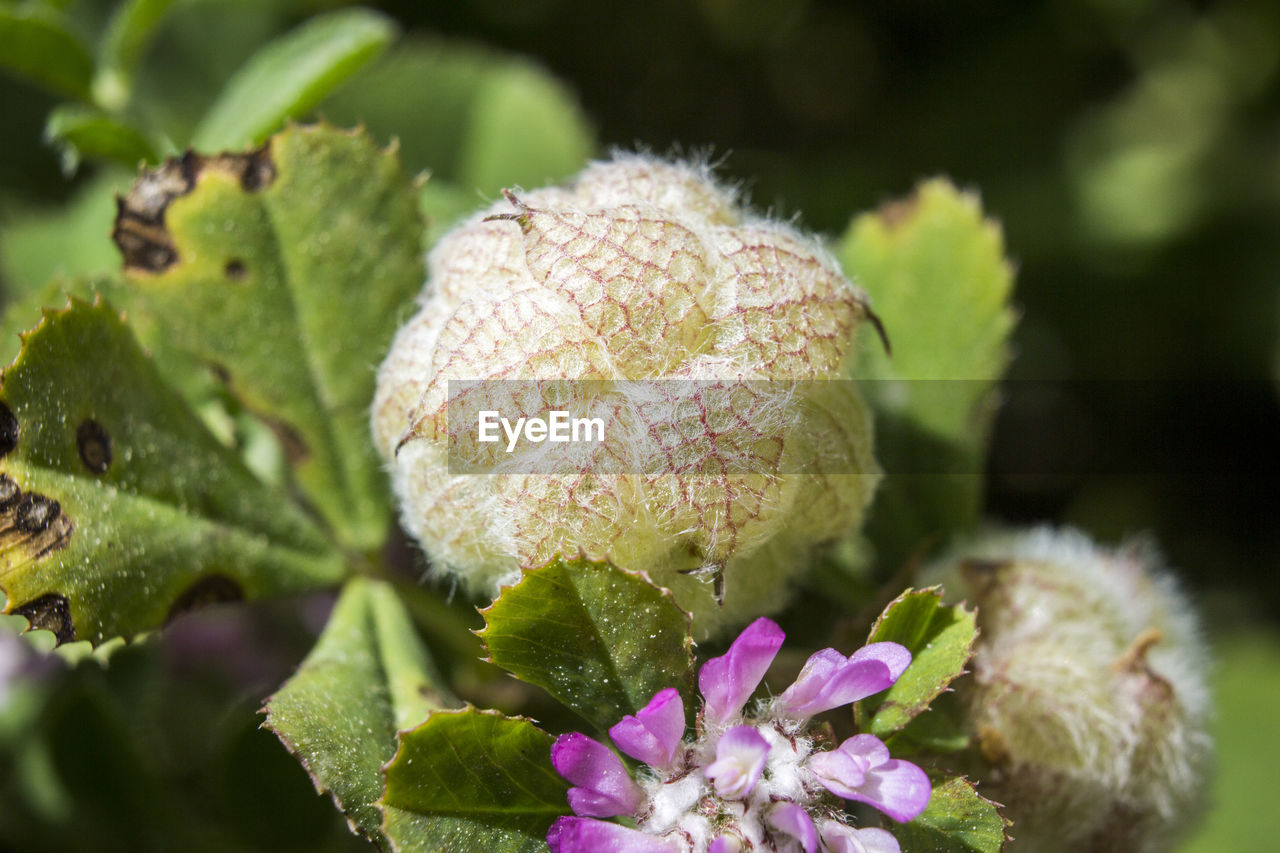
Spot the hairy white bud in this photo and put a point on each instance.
(1088, 694)
(640, 270)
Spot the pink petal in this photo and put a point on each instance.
(582, 835)
(728, 681)
(898, 788)
(892, 655)
(725, 844)
(858, 680)
(843, 771)
(653, 733)
(795, 821)
(740, 757)
(839, 773)
(862, 770)
(820, 668)
(830, 680)
(838, 838)
(869, 747)
(605, 788)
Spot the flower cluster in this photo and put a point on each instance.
(745, 781)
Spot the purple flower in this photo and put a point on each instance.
(583, 834)
(725, 844)
(653, 733)
(862, 770)
(740, 756)
(748, 777)
(728, 681)
(792, 819)
(830, 680)
(604, 788)
(839, 838)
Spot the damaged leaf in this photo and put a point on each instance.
(118, 509)
(285, 271)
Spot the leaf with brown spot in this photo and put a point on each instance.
(288, 268)
(116, 502)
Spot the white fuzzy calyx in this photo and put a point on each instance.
(640, 270)
(1088, 694)
(683, 805)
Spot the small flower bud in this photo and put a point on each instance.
(1088, 694)
(641, 270)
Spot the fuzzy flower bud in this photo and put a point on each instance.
(714, 332)
(1088, 692)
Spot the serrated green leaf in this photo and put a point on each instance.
(937, 276)
(957, 820)
(132, 25)
(286, 271)
(46, 642)
(120, 508)
(940, 640)
(27, 308)
(291, 75)
(368, 676)
(599, 639)
(476, 118)
(36, 43)
(473, 780)
(81, 132)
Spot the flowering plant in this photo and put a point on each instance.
(745, 779)
(188, 424)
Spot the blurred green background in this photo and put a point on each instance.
(1131, 149)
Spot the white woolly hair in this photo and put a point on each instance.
(1088, 690)
(509, 300)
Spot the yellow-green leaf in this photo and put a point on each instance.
(936, 272)
(285, 271)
